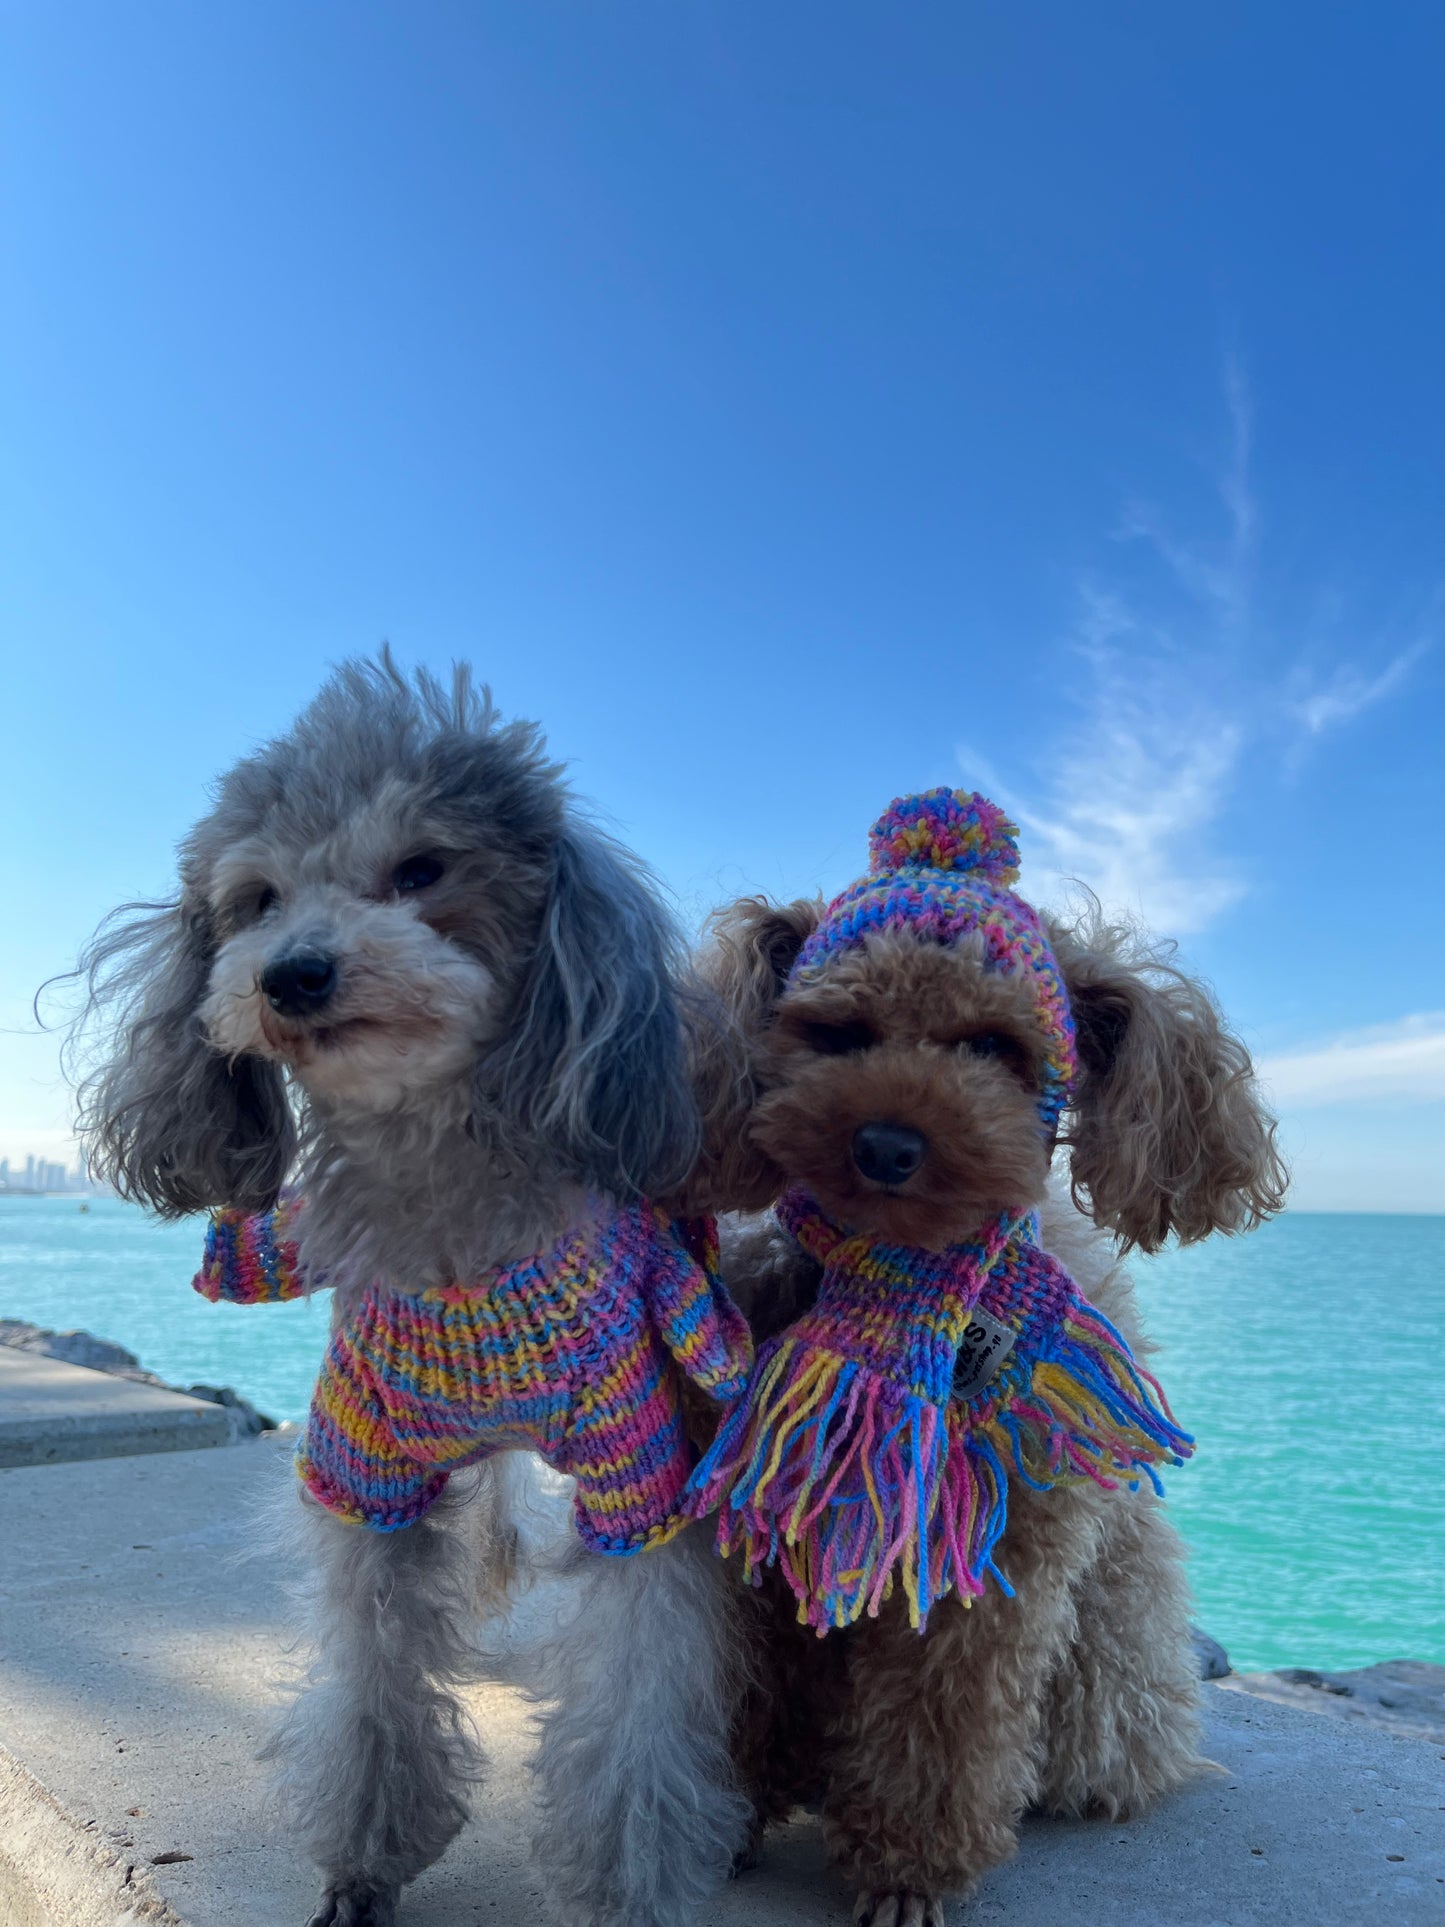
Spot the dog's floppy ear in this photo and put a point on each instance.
(592, 1073)
(1168, 1132)
(740, 973)
(165, 1118)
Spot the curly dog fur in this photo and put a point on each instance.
(404, 970)
(1078, 1695)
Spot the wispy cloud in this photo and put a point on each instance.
(1169, 702)
(1129, 805)
(1215, 573)
(1131, 796)
(1404, 1060)
(1349, 691)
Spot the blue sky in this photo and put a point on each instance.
(790, 406)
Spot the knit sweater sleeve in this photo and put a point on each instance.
(697, 1321)
(250, 1258)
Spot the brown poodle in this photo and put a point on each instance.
(898, 1083)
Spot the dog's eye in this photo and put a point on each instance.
(253, 904)
(998, 1045)
(417, 873)
(838, 1040)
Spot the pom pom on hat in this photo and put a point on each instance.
(943, 865)
(946, 830)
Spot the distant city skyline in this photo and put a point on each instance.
(40, 1177)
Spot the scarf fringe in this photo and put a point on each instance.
(849, 1484)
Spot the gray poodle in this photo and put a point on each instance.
(404, 973)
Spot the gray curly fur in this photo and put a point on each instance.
(172, 1124)
(374, 1755)
(600, 999)
(584, 1081)
(525, 1027)
(641, 1817)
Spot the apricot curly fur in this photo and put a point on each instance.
(1168, 1133)
(1079, 1695)
(739, 975)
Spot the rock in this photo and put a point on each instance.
(1307, 1676)
(249, 1422)
(1403, 1696)
(1212, 1658)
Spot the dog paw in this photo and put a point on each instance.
(355, 1903)
(749, 1853)
(897, 1907)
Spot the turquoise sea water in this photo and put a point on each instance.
(1305, 1359)
(114, 1270)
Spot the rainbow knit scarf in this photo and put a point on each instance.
(855, 1462)
(575, 1353)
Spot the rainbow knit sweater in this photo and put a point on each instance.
(574, 1353)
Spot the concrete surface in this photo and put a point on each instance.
(137, 1656)
(51, 1412)
(104, 1355)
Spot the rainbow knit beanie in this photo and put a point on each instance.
(943, 865)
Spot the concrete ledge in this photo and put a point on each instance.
(52, 1412)
(137, 1665)
(57, 1869)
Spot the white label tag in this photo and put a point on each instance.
(985, 1344)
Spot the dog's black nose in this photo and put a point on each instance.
(300, 984)
(888, 1153)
